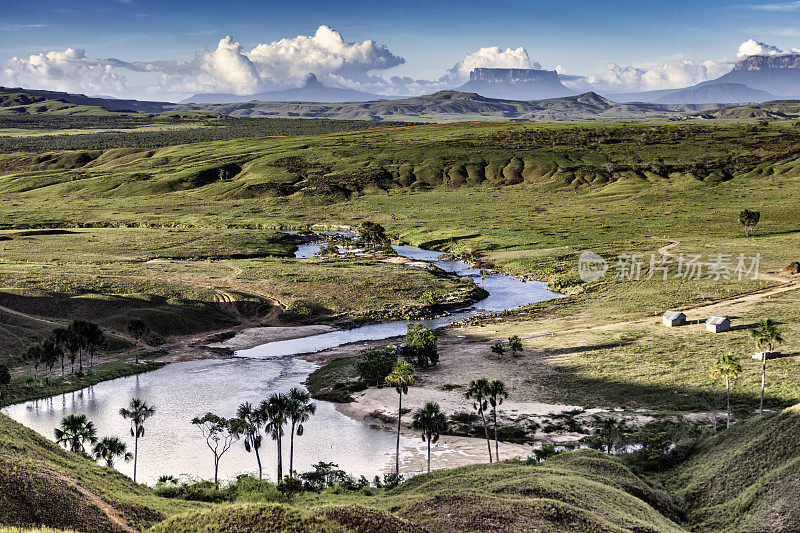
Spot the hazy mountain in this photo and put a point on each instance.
(452, 106)
(515, 84)
(778, 75)
(311, 91)
(753, 79)
(703, 93)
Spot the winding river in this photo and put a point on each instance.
(180, 391)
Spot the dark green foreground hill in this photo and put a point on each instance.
(744, 479)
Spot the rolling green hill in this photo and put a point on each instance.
(43, 485)
(744, 479)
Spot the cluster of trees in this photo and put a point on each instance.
(486, 394)
(270, 418)
(514, 346)
(79, 340)
(766, 335)
(418, 349)
(374, 234)
(76, 431)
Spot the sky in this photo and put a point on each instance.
(172, 49)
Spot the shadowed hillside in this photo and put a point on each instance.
(41, 484)
(746, 478)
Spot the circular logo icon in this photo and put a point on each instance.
(591, 266)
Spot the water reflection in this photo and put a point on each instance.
(181, 391)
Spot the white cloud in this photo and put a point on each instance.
(652, 77)
(68, 70)
(326, 52)
(780, 6)
(226, 68)
(754, 48)
(492, 57)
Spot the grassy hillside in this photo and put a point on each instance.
(744, 479)
(528, 198)
(41, 484)
(252, 518)
(582, 491)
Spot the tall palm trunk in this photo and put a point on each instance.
(728, 395)
(280, 459)
(291, 451)
(496, 446)
(429, 454)
(258, 460)
(397, 446)
(135, 454)
(763, 380)
(136, 349)
(486, 432)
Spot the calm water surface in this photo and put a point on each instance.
(181, 391)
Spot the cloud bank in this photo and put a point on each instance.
(361, 65)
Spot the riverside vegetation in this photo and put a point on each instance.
(523, 198)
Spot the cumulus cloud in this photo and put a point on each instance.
(492, 57)
(324, 53)
(67, 70)
(226, 68)
(229, 68)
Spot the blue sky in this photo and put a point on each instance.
(580, 36)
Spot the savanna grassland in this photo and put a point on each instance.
(527, 198)
(187, 236)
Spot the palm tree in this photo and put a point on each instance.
(432, 422)
(767, 335)
(138, 412)
(251, 430)
(496, 391)
(50, 351)
(137, 328)
(300, 410)
(728, 367)
(478, 392)
(401, 377)
(61, 336)
(110, 450)
(33, 355)
(79, 328)
(274, 411)
(94, 338)
(74, 431)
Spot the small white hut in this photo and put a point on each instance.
(672, 319)
(718, 324)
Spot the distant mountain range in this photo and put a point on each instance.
(452, 106)
(515, 84)
(311, 91)
(753, 79)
